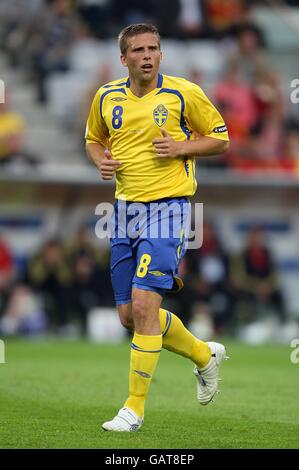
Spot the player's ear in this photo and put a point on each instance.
(161, 56)
(123, 60)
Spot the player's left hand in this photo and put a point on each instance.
(166, 146)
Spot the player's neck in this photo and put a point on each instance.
(141, 89)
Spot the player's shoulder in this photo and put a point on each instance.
(180, 84)
(113, 85)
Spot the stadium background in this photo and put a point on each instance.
(54, 278)
(54, 272)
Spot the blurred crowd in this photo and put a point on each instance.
(227, 290)
(63, 282)
(64, 47)
(55, 288)
(12, 147)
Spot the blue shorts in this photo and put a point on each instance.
(147, 245)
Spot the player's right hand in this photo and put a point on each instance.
(108, 166)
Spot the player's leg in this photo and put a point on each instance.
(178, 339)
(175, 336)
(145, 348)
(123, 262)
(141, 306)
(207, 357)
(145, 351)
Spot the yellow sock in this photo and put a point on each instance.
(176, 338)
(145, 352)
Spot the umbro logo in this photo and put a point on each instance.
(157, 273)
(118, 98)
(143, 374)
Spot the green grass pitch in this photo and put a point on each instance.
(55, 394)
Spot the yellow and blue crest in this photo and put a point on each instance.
(160, 115)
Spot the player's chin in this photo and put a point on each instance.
(148, 74)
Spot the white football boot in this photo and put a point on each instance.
(126, 420)
(208, 376)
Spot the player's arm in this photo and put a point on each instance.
(207, 124)
(102, 159)
(202, 146)
(97, 139)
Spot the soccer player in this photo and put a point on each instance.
(142, 129)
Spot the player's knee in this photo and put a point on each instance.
(127, 322)
(125, 316)
(140, 309)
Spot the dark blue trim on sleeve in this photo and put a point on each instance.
(122, 90)
(182, 121)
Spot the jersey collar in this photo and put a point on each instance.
(159, 83)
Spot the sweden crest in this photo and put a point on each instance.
(160, 115)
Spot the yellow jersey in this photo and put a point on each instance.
(127, 125)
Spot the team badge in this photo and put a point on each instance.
(160, 115)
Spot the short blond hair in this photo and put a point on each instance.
(133, 30)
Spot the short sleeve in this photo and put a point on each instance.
(96, 129)
(202, 116)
